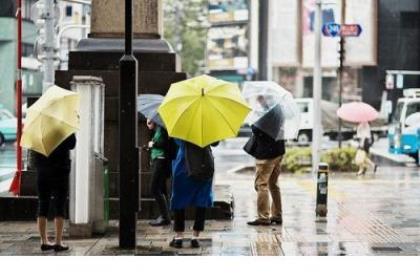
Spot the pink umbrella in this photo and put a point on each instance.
(357, 112)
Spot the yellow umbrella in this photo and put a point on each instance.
(50, 120)
(203, 110)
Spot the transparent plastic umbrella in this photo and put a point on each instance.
(267, 99)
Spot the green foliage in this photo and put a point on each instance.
(299, 159)
(185, 29)
(340, 159)
(296, 160)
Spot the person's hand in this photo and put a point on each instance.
(151, 143)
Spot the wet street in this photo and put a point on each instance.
(7, 166)
(372, 215)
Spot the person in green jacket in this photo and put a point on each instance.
(161, 169)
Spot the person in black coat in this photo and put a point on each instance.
(268, 153)
(53, 181)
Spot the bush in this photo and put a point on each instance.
(340, 159)
(300, 159)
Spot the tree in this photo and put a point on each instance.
(185, 28)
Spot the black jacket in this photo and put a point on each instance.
(59, 158)
(261, 146)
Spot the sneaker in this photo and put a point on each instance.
(176, 243)
(195, 243)
(259, 222)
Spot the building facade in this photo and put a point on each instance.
(70, 19)
(398, 49)
(231, 39)
(390, 40)
(31, 77)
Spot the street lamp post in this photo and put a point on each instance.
(128, 157)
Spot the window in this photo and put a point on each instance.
(26, 8)
(397, 113)
(412, 108)
(27, 50)
(303, 107)
(69, 11)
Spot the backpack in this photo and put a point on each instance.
(199, 162)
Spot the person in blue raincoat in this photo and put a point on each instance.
(190, 191)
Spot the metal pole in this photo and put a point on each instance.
(49, 70)
(263, 40)
(317, 89)
(340, 74)
(128, 158)
(15, 187)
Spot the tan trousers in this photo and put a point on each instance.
(267, 174)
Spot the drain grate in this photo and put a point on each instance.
(386, 249)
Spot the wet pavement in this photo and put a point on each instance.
(372, 215)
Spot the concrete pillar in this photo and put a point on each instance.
(87, 184)
(147, 19)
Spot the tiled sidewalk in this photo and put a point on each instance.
(374, 215)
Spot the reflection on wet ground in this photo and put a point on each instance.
(372, 215)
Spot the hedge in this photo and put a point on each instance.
(300, 159)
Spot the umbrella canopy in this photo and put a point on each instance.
(148, 105)
(357, 112)
(50, 120)
(269, 97)
(203, 110)
(272, 123)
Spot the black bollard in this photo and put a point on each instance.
(322, 190)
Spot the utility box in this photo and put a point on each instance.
(87, 178)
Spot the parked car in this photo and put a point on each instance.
(8, 126)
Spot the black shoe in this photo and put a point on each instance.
(195, 243)
(47, 247)
(60, 248)
(259, 222)
(160, 221)
(277, 221)
(176, 243)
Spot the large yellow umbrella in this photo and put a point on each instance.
(50, 120)
(203, 110)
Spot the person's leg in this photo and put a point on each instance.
(44, 196)
(59, 225)
(158, 185)
(42, 229)
(264, 169)
(200, 219)
(179, 228)
(60, 191)
(276, 210)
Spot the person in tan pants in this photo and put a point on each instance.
(267, 174)
(268, 153)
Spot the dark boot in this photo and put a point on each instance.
(164, 219)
